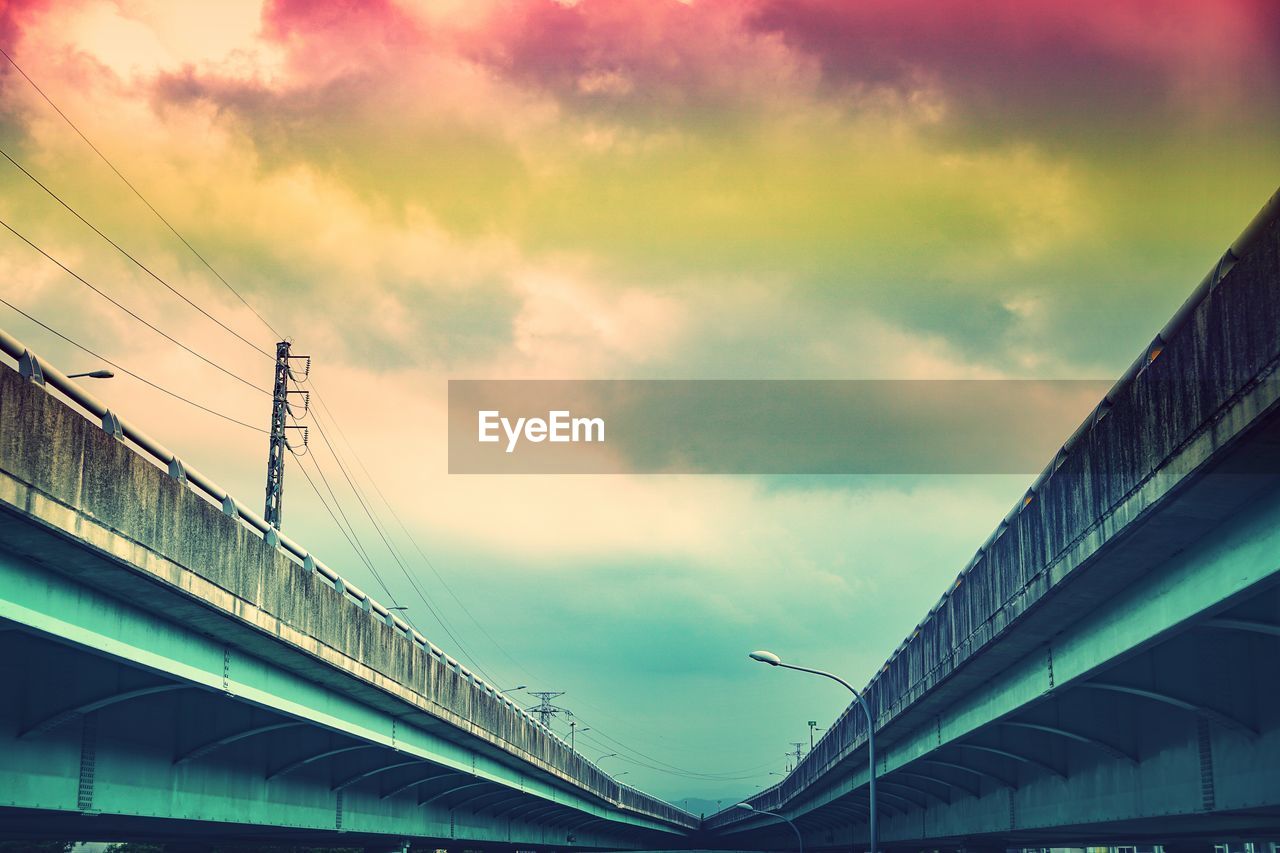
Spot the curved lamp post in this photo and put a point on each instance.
(794, 828)
(773, 660)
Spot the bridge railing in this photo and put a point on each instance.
(448, 683)
(1196, 365)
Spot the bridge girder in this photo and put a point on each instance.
(66, 715)
(329, 752)
(1220, 717)
(1059, 731)
(1253, 626)
(1013, 756)
(401, 788)
(898, 778)
(226, 740)
(517, 797)
(981, 773)
(449, 791)
(483, 795)
(374, 771)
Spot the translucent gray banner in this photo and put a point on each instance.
(763, 427)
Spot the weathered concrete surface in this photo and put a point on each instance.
(122, 526)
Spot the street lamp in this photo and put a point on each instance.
(773, 660)
(751, 808)
(606, 755)
(92, 374)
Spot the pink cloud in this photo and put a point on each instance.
(1089, 55)
(14, 17)
(327, 41)
(646, 55)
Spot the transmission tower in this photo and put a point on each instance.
(545, 710)
(795, 753)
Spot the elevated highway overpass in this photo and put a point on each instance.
(174, 668)
(1106, 670)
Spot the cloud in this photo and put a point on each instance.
(422, 190)
(657, 62)
(1062, 64)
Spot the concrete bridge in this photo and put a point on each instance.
(1107, 668)
(170, 672)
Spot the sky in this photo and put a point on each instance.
(624, 189)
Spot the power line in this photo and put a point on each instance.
(136, 192)
(277, 334)
(649, 758)
(319, 399)
(727, 776)
(126, 370)
(412, 539)
(124, 252)
(395, 554)
(150, 326)
(390, 545)
(219, 276)
(353, 538)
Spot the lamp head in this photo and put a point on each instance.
(745, 807)
(766, 657)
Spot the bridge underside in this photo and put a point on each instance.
(94, 748)
(119, 723)
(1153, 718)
(1178, 742)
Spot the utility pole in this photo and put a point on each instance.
(279, 443)
(545, 710)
